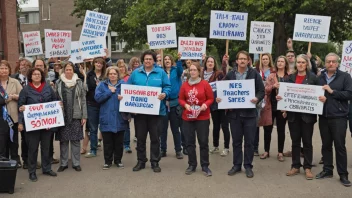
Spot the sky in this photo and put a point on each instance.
(31, 3)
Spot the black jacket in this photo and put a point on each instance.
(259, 92)
(4, 127)
(336, 104)
(92, 84)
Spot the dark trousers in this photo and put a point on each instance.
(301, 131)
(176, 126)
(33, 139)
(201, 129)
(113, 146)
(4, 138)
(256, 140)
(12, 146)
(281, 124)
(220, 119)
(144, 124)
(243, 128)
(51, 149)
(333, 130)
(127, 137)
(24, 147)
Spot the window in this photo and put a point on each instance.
(29, 18)
(115, 45)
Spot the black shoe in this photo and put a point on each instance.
(207, 171)
(33, 177)
(344, 180)
(162, 153)
(25, 166)
(139, 166)
(185, 152)
(249, 173)
(62, 168)
(179, 155)
(190, 170)
(234, 170)
(50, 173)
(77, 168)
(324, 174)
(156, 168)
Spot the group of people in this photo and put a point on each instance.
(187, 102)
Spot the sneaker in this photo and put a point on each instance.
(162, 153)
(190, 170)
(324, 174)
(207, 172)
(106, 166)
(225, 152)
(99, 143)
(120, 165)
(292, 172)
(128, 150)
(90, 155)
(344, 180)
(179, 155)
(214, 150)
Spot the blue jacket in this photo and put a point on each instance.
(156, 78)
(110, 118)
(176, 82)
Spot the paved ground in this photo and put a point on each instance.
(269, 180)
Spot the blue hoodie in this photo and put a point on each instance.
(156, 78)
(176, 82)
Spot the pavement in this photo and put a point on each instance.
(269, 179)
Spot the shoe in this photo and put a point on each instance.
(106, 166)
(288, 154)
(99, 143)
(90, 155)
(207, 171)
(162, 153)
(120, 165)
(55, 161)
(321, 161)
(179, 155)
(156, 168)
(225, 152)
(185, 152)
(249, 173)
(234, 170)
(344, 180)
(25, 166)
(128, 150)
(280, 157)
(190, 170)
(77, 168)
(214, 150)
(50, 173)
(264, 155)
(33, 177)
(39, 166)
(324, 174)
(62, 168)
(135, 139)
(293, 171)
(309, 174)
(256, 153)
(139, 166)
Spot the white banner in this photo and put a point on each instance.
(92, 47)
(32, 43)
(95, 25)
(76, 55)
(346, 60)
(261, 37)
(162, 36)
(311, 28)
(192, 47)
(57, 43)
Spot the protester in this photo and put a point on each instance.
(134, 64)
(185, 75)
(159, 59)
(196, 96)
(21, 76)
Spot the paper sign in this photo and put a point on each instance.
(76, 55)
(261, 37)
(346, 60)
(32, 43)
(228, 25)
(140, 99)
(311, 28)
(235, 94)
(213, 86)
(191, 47)
(95, 25)
(162, 36)
(300, 98)
(57, 43)
(92, 47)
(43, 116)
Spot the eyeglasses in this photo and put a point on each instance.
(331, 61)
(146, 59)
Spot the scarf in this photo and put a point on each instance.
(207, 75)
(193, 82)
(5, 114)
(69, 83)
(110, 84)
(38, 89)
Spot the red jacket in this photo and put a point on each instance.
(196, 95)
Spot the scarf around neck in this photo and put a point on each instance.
(207, 75)
(38, 89)
(193, 82)
(69, 83)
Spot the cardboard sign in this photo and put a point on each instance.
(95, 25)
(346, 60)
(311, 28)
(300, 98)
(191, 47)
(228, 25)
(43, 116)
(92, 47)
(57, 43)
(32, 43)
(162, 36)
(261, 37)
(235, 94)
(76, 55)
(140, 99)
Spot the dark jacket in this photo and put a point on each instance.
(4, 127)
(259, 92)
(336, 104)
(310, 79)
(216, 76)
(92, 85)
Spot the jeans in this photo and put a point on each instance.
(127, 137)
(281, 124)
(113, 146)
(220, 120)
(93, 117)
(176, 125)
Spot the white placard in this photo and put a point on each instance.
(57, 43)
(192, 47)
(346, 60)
(32, 43)
(213, 86)
(92, 47)
(162, 36)
(140, 99)
(235, 94)
(76, 55)
(300, 98)
(43, 116)
(261, 37)
(95, 25)
(311, 28)
(228, 25)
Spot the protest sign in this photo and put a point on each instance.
(95, 25)
(162, 36)
(346, 61)
(92, 47)
(261, 37)
(140, 99)
(43, 116)
(57, 43)
(213, 86)
(235, 94)
(32, 43)
(76, 55)
(311, 28)
(300, 98)
(191, 47)
(228, 25)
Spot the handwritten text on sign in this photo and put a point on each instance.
(140, 99)
(300, 98)
(235, 94)
(57, 43)
(261, 37)
(228, 25)
(346, 61)
(43, 116)
(311, 28)
(162, 36)
(192, 48)
(95, 24)
(32, 43)
(76, 55)
(92, 47)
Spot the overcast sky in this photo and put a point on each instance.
(31, 3)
